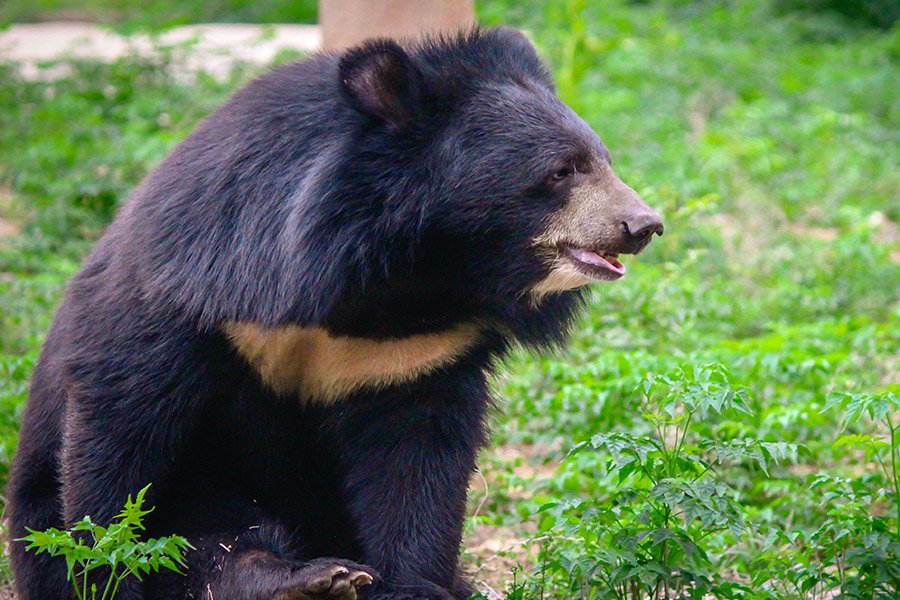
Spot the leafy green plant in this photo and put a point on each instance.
(116, 550)
(861, 532)
(883, 409)
(649, 535)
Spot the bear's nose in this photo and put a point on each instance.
(637, 230)
(641, 226)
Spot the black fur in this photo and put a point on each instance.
(388, 192)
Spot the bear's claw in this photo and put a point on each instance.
(328, 579)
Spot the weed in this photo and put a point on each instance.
(116, 550)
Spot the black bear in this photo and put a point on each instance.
(289, 327)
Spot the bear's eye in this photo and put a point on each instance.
(563, 172)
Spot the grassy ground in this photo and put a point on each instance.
(725, 419)
(131, 15)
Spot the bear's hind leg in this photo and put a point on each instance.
(33, 500)
(257, 564)
(33, 505)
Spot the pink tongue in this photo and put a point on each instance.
(592, 258)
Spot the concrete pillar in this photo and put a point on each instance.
(348, 22)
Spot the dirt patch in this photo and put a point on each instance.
(886, 231)
(826, 234)
(7, 593)
(214, 48)
(8, 229)
(494, 552)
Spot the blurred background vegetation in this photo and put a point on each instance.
(725, 421)
(130, 15)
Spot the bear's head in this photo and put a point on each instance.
(510, 192)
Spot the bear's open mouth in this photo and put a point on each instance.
(597, 264)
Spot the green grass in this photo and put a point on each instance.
(769, 140)
(130, 15)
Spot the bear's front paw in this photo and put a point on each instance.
(327, 579)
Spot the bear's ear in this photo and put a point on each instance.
(380, 80)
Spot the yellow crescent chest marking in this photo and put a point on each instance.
(316, 365)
